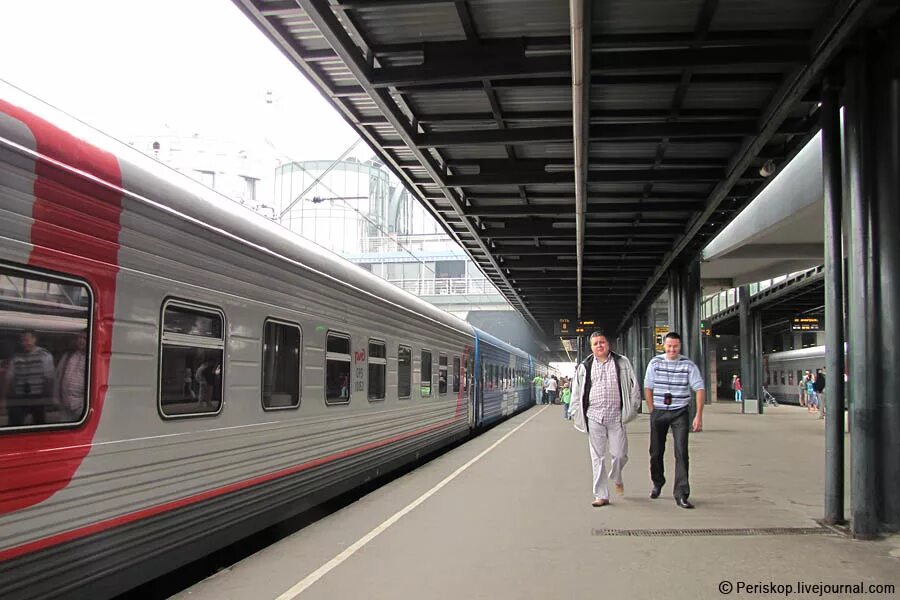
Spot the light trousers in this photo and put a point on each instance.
(603, 437)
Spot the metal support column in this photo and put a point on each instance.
(756, 366)
(746, 337)
(834, 307)
(886, 274)
(676, 298)
(690, 311)
(859, 123)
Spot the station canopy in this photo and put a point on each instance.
(575, 195)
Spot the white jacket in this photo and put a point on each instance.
(629, 391)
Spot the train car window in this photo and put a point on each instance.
(281, 365)
(425, 385)
(442, 374)
(456, 373)
(192, 359)
(377, 369)
(337, 368)
(404, 372)
(45, 324)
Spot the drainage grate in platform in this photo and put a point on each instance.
(753, 531)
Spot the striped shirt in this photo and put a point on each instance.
(676, 377)
(31, 374)
(605, 403)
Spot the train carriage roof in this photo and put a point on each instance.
(146, 180)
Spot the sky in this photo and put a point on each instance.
(145, 67)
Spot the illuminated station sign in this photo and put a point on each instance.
(806, 324)
(569, 327)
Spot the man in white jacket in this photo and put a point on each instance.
(605, 396)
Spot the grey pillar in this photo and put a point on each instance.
(859, 126)
(834, 308)
(690, 311)
(886, 274)
(676, 297)
(756, 366)
(746, 337)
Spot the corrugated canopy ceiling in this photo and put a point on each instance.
(470, 103)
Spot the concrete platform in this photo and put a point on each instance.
(517, 523)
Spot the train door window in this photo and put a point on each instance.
(425, 386)
(442, 374)
(192, 360)
(281, 365)
(404, 372)
(337, 368)
(455, 373)
(377, 369)
(44, 348)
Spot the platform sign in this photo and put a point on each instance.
(806, 324)
(563, 327)
(660, 336)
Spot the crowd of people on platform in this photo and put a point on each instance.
(811, 391)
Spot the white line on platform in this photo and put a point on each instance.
(316, 575)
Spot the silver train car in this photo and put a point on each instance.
(177, 372)
(782, 371)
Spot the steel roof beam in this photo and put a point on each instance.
(600, 197)
(595, 210)
(609, 176)
(767, 79)
(597, 116)
(493, 165)
(607, 132)
(531, 263)
(544, 45)
(592, 230)
(447, 62)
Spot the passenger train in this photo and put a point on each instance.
(177, 372)
(782, 371)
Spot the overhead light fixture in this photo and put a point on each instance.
(768, 168)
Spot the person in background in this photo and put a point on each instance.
(801, 390)
(819, 387)
(30, 381)
(738, 388)
(566, 396)
(71, 375)
(552, 389)
(538, 384)
(812, 402)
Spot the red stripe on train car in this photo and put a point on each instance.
(65, 241)
(93, 528)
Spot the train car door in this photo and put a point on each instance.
(470, 389)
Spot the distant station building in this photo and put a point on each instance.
(359, 211)
(238, 171)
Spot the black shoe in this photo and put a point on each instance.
(683, 503)
(654, 493)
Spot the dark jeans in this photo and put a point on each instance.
(17, 415)
(679, 421)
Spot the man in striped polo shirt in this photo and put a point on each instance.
(667, 389)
